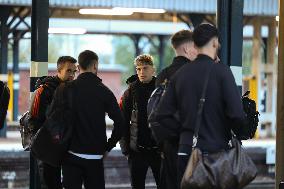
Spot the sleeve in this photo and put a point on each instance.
(232, 100)
(38, 107)
(126, 109)
(167, 114)
(115, 114)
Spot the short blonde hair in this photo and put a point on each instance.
(143, 59)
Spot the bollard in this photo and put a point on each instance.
(281, 185)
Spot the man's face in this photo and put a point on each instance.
(67, 71)
(145, 73)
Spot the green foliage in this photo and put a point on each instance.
(247, 57)
(124, 54)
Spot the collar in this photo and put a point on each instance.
(180, 60)
(152, 82)
(204, 57)
(89, 75)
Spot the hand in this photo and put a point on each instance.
(105, 154)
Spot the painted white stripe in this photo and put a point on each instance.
(238, 74)
(38, 69)
(16, 77)
(16, 85)
(4, 77)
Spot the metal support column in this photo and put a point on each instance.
(16, 77)
(223, 19)
(196, 19)
(136, 39)
(280, 101)
(161, 53)
(230, 26)
(39, 65)
(4, 15)
(236, 40)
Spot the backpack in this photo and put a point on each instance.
(4, 102)
(152, 106)
(28, 123)
(252, 115)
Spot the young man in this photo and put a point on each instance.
(138, 144)
(89, 144)
(183, 46)
(182, 43)
(222, 111)
(66, 68)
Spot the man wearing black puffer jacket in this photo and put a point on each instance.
(138, 144)
(50, 177)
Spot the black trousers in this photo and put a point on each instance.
(50, 177)
(77, 171)
(139, 162)
(181, 166)
(168, 178)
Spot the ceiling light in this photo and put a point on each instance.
(67, 30)
(141, 10)
(124, 12)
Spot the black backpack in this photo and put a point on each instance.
(4, 102)
(252, 115)
(152, 106)
(28, 123)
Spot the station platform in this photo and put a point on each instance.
(14, 165)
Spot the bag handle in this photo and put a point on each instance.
(200, 108)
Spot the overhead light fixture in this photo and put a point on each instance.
(277, 18)
(120, 11)
(141, 10)
(117, 12)
(67, 30)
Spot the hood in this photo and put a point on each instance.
(132, 79)
(52, 81)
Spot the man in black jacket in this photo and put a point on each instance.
(183, 46)
(89, 144)
(222, 111)
(138, 143)
(50, 176)
(182, 43)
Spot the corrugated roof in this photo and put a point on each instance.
(251, 7)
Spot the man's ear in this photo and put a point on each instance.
(215, 43)
(96, 65)
(186, 47)
(154, 70)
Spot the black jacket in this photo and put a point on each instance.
(167, 74)
(134, 108)
(43, 95)
(92, 100)
(222, 111)
(169, 71)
